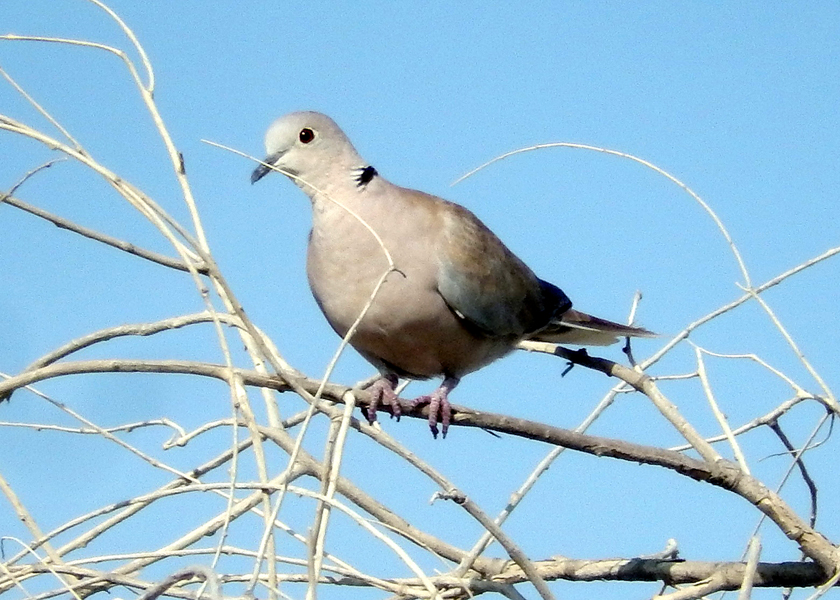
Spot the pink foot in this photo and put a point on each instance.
(382, 392)
(438, 402)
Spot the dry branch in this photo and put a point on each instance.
(264, 496)
(720, 472)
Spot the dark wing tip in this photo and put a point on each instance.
(556, 299)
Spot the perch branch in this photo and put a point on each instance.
(719, 472)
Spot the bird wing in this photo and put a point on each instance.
(488, 286)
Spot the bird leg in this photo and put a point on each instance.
(438, 402)
(383, 391)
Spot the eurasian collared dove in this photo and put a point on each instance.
(458, 299)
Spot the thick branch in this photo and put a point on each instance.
(721, 473)
(729, 575)
(785, 574)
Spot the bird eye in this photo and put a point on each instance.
(306, 135)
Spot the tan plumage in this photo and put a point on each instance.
(460, 298)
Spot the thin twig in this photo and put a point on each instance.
(641, 161)
(803, 470)
(719, 416)
(752, 555)
(62, 223)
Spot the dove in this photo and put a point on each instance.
(454, 299)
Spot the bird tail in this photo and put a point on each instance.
(580, 329)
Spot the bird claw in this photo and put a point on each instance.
(438, 405)
(382, 391)
(438, 402)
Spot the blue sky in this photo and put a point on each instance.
(737, 100)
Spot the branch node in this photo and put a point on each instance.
(456, 495)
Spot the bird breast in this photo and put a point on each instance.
(408, 328)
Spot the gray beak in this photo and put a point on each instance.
(262, 170)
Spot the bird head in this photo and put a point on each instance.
(309, 148)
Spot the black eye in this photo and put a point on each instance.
(306, 135)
